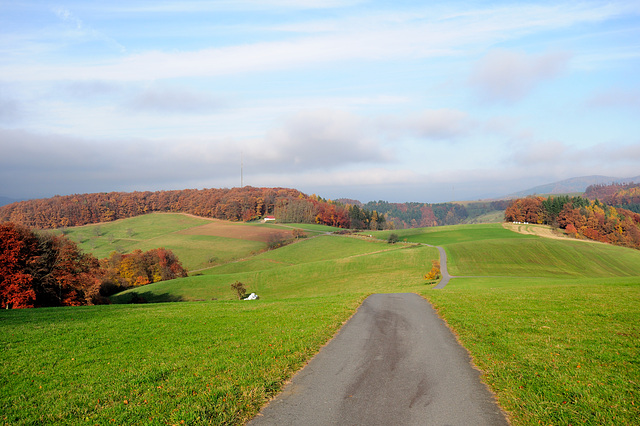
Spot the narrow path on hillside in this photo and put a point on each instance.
(395, 362)
(446, 277)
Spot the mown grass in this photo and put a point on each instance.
(541, 257)
(553, 325)
(205, 362)
(325, 247)
(443, 235)
(308, 268)
(197, 363)
(554, 351)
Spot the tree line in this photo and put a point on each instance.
(617, 195)
(39, 269)
(579, 217)
(419, 215)
(235, 204)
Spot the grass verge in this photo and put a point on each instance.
(554, 351)
(197, 363)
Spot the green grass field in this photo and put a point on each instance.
(554, 351)
(310, 267)
(178, 232)
(171, 363)
(553, 324)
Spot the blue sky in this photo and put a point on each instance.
(398, 101)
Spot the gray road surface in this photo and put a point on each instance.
(394, 363)
(443, 269)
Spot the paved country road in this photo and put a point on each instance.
(443, 269)
(394, 362)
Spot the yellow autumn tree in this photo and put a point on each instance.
(434, 273)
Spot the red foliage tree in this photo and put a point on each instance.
(43, 270)
(17, 246)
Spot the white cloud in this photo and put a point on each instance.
(165, 99)
(438, 124)
(323, 139)
(508, 76)
(409, 36)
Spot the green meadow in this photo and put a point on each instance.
(196, 250)
(161, 230)
(552, 324)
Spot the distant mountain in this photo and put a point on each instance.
(6, 200)
(577, 184)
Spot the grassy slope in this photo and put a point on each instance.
(164, 230)
(556, 351)
(557, 334)
(325, 265)
(212, 361)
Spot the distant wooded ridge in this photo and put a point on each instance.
(239, 204)
(624, 195)
(287, 205)
(236, 204)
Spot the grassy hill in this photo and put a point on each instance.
(198, 242)
(553, 324)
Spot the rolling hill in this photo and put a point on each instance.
(552, 324)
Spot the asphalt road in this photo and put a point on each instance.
(394, 362)
(443, 269)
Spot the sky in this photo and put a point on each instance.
(370, 100)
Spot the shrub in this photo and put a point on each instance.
(240, 289)
(393, 238)
(434, 273)
(298, 233)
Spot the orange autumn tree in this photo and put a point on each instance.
(139, 268)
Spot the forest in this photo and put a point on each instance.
(418, 215)
(39, 269)
(579, 217)
(236, 204)
(625, 196)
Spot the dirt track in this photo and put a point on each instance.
(539, 230)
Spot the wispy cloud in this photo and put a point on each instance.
(438, 124)
(232, 5)
(508, 76)
(81, 30)
(409, 36)
(323, 139)
(174, 100)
